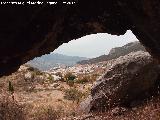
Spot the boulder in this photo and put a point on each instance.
(56, 78)
(129, 77)
(23, 68)
(28, 76)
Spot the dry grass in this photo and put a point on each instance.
(73, 94)
(11, 109)
(46, 113)
(49, 104)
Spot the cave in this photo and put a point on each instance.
(28, 31)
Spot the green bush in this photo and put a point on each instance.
(50, 79)
(69, 76)
(10, 87)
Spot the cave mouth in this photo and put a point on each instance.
(62, 83)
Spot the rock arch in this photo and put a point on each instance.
(30, 31)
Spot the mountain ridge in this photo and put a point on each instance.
(115, 53)
(51, 60)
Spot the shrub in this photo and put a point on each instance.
(50, 79)
(87, 93)
(36, 71)
(69, 76)
(30, 68)
(10, 87)
(73, 94)
(70, 83)
(61, 88)
(82, 80)
(10, 109)
(46, 113)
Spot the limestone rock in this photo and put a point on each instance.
(128, 78)
(28, 76)
(56, 78)
(23, 68)
(85, 106)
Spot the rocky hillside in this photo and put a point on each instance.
(49, 61)
(116, 52)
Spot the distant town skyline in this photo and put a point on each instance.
(94, 45)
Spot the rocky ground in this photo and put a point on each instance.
(128, 90)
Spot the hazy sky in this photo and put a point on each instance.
(95, 45)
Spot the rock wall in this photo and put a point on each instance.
(30, 31)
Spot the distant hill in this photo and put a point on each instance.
(116, 52)
(53, 60)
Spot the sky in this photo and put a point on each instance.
(94, 45)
